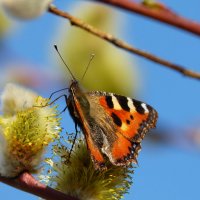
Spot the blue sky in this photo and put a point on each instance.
(166, 171)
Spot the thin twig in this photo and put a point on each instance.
(121, 44)
(28, 183)
(162, 15)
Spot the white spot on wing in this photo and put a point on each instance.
(145, 107)
(130, 104)
(116, 103)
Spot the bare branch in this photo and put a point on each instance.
(121, 44)
(162, 15)
(28, 183)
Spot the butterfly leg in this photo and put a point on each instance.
(64, 95)
(65, 108)
(57, 92)
(74, 140)
(49, 104)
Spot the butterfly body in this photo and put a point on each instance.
(113, 125)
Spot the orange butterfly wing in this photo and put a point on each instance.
(113, 125)
(132, 119)
(77, 111)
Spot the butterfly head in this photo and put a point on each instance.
(74, 86)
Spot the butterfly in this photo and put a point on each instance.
(113, 125)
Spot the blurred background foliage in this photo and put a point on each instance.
(5, 23)
(78, 45)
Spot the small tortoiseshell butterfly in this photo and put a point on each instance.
(113, 125)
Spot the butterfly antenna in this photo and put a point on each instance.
(86, 69)
(56, 48)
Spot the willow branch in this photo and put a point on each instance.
(121, 44)
(28, 183)
(163, 15)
